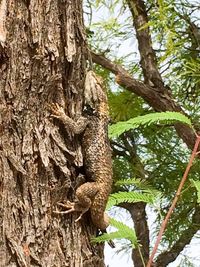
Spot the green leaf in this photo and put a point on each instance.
(197, 185)
(123, 231)
(129, 197)
(140, 184)
(132, 181)
(117, 129)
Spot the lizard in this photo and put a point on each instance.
(97, 157)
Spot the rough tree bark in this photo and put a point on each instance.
(40, 161)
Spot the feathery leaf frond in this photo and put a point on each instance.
(120, 127)
(129, 197)
(123, 231)
(197, 185)
(142, 185)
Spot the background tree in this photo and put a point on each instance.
(161, 66)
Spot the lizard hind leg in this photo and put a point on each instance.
(85, 195)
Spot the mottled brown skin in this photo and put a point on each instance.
(96, 149)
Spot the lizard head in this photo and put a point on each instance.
(95, 95)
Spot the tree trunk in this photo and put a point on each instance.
(40, 160)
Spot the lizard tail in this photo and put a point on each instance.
(99, 218)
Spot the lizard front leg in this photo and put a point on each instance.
(76, 127)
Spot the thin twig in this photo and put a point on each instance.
(164, 223)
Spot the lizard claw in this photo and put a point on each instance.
(69, 206)
(56, 110)
(79, 217)
(64, 211)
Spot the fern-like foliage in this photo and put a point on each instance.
(193, 69)
(142, 185)
(129, 197)
(117, 129)
(123, 231)
(197, 185)
(133, 181)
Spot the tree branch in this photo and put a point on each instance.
(148, 60)
(174, 202)
(138, 215)
(159, 101)
(156, 96)
(168, 256)
(150, 70)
